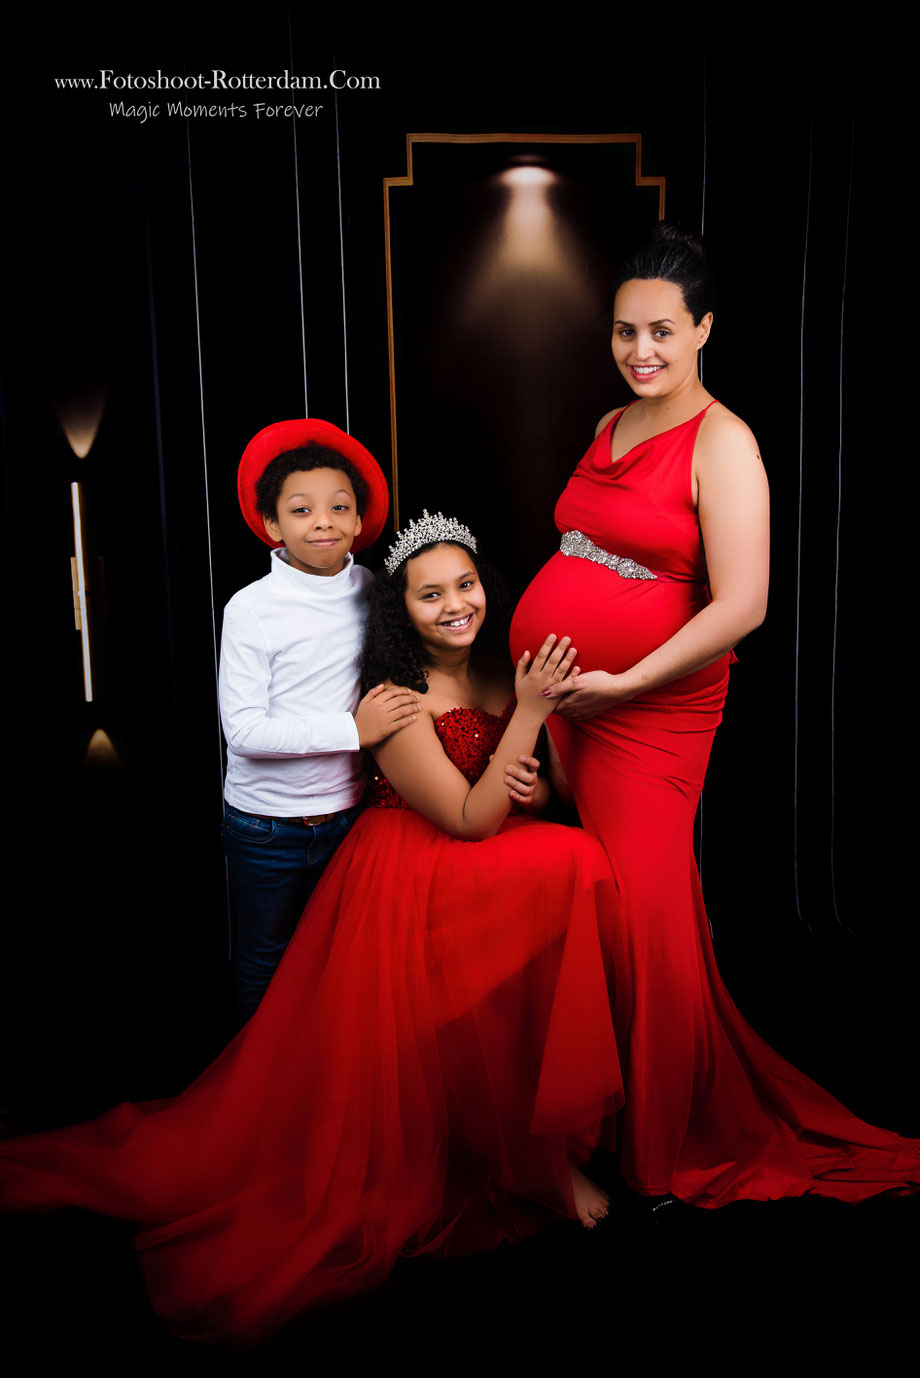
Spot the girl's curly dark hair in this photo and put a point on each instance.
(392, 647)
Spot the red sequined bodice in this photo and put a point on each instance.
(469, 737)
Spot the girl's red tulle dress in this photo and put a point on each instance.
(434, 1046)
(712, 1114)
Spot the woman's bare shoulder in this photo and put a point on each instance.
(726, 445)
(723, 427)
(606, 419)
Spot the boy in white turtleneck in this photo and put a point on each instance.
(289, 684)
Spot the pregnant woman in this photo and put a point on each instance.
(662, 568)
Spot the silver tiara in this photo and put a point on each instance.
(426, 531)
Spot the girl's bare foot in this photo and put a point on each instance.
(591, 1204)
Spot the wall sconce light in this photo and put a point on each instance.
(80, 415)
(81, 590)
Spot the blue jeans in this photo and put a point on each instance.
(274, 867)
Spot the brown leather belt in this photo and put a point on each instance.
(313, 822)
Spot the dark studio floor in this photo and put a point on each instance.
(746, 1280)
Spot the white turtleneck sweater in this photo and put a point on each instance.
(288, 688)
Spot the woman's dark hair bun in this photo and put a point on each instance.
(667, 233)
(673, 255)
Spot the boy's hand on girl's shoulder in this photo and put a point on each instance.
(384, 711)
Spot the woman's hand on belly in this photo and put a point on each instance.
(586, 695)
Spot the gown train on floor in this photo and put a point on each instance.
(434, 1048)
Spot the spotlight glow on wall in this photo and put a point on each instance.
(80, 416)
(528, 231)
(526, 272)
(101, 752)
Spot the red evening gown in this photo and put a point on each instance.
(712, 1113)
(435, 1044)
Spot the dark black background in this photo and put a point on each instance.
(161, 261)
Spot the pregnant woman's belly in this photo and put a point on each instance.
(615, 622)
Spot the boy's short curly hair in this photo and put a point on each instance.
(302, 460)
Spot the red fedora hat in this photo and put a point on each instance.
(280, 436)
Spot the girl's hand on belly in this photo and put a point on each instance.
(536, 676)
(586, 695)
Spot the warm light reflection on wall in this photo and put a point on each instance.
(80, 416)
(529, 259)
(528, 226)
(100, 751)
